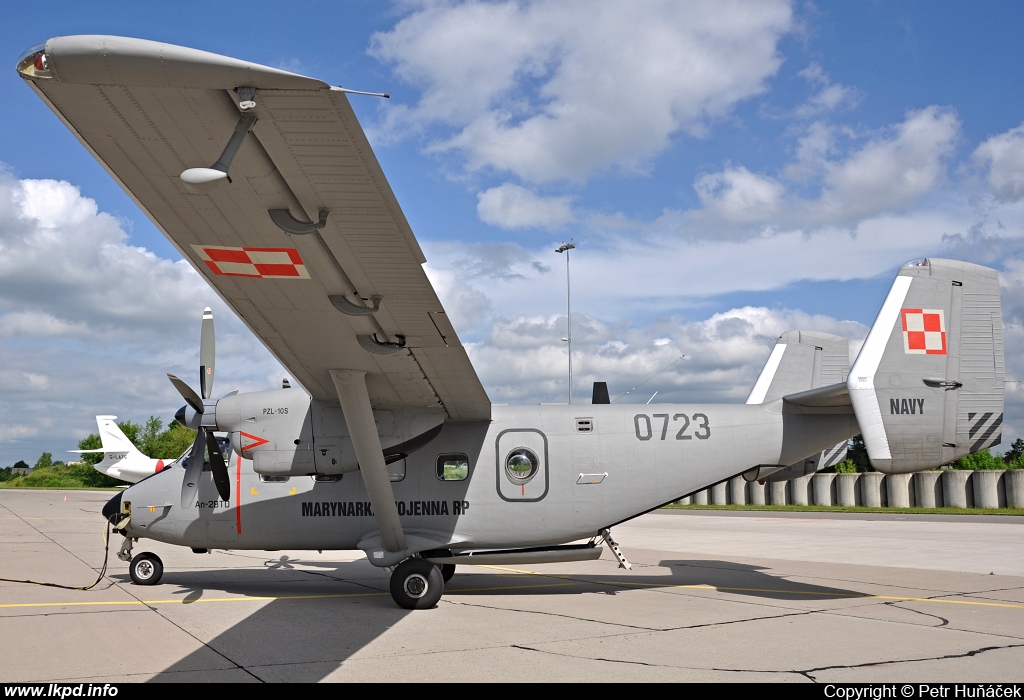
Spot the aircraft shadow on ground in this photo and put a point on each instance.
(304, 634)
(724, 576)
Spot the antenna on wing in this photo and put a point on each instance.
(385, 95)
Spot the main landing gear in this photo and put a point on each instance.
(417, 583)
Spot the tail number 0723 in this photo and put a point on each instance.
(646, 428)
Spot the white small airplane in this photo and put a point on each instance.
(122, 459)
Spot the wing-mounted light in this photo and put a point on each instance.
(34, 64)
(204, 179)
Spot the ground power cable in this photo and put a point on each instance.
(103, 569)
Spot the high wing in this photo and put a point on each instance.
(149, 111)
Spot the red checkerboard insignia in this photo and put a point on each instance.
(260, 263)
(924, 331)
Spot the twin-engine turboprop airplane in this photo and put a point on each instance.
(394, 448)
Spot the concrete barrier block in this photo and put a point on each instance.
(871, 489)
(738, 491)
(720, 494)
(846, 489)
(1013, 486)
(897, 488)
(928, 489)
(684, 501)
(700, 498)
(778, 493)
(758, 493)
(986, 488)
(798, 489)
(954, 488)
(823, 488)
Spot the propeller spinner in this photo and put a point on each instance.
(204, 421)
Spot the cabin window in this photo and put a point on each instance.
(521, 465)
(452, 467)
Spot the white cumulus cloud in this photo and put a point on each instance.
(510, 206)
(1003, 155)
(557, 89)
(90, 324)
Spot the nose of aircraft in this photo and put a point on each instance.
(112, 508)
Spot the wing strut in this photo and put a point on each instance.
(355, 403)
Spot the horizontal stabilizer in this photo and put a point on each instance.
(824, 397)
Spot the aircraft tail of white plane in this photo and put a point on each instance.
(928, 384)
(121, 458)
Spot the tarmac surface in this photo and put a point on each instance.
(713, 596)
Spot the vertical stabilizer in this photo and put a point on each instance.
(801, 360)
(111, 437)
(927, 387)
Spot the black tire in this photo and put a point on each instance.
(146, 569)
(417, 584)
(447, 571)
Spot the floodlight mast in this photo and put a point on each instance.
(565, 248)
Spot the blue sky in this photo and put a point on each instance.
(728, 170)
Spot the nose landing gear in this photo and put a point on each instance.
(146, 569)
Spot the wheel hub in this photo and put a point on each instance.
(415, 586)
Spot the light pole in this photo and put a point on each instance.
(565, 248)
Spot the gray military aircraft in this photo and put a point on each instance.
(394, 448)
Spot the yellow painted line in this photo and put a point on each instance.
(520, 571)
(512, 588)
(241, 599)
(456, 591)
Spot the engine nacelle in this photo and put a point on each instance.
(286, 433)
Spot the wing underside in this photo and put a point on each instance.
(148, 112)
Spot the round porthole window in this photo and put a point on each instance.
(521, 465)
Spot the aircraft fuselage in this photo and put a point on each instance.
(596, 465)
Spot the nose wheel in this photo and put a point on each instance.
(146, 569)
(417, 584)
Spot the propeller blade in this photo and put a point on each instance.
(191, 398)
(194, 470)
(220, 469)
(207, 347)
